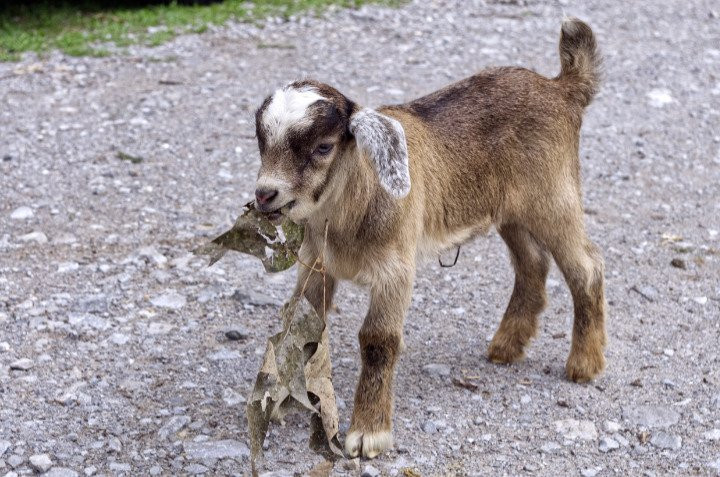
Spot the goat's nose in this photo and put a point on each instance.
(265, 196)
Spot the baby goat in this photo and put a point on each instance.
(402, 182)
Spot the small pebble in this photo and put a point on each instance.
(437, 369)
(235, 335)
(678, 263)
(429, 427)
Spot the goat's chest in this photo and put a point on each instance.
(361, 265)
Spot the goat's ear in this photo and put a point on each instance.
(383, 140)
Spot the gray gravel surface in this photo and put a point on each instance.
(114, 352)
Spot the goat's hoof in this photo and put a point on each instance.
(503, 352)
(367, 444)
(584, 366)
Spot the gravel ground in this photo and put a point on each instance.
(113, 353)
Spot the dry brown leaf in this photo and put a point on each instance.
(275, 245)
(296, 369)
(296, 374)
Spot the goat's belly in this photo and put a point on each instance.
(430, 245)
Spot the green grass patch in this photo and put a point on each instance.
(90, 28)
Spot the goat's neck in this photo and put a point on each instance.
(346, 206)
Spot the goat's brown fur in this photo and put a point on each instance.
(499, 148)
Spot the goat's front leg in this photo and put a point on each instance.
(380, 344)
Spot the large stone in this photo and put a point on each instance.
(37, 237)
(608, 444)
(651, 416)
(214, 450)
(22, 364)
(573, 429)
(40, 462)
(663, 440)
(232, 398)
(22, 213)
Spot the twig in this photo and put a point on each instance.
(320, 260)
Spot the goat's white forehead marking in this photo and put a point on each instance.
(288, 107)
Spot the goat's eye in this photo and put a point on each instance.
(323, 149)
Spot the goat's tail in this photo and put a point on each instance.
(580, 61)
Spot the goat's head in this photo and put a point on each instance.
(305, 132)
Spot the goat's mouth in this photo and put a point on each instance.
(276, 214)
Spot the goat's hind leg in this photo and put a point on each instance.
(520, 322)
(583, 268)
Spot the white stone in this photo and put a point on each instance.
(713, 435)
(22, 213)
(4, 446)
(152, 254)
(119, 339)
(573, 429)
(612, 427)
(550, 447)
(651, 416)
(232, 398)
(664, 440)
(214, 450)
(700, 300)
(158, 328)
(608, 444)
(170, 299)
(61, 472)
(659, 97)
(224, 354)
(436, 369)
(22, 364)
(37, 237)
(66, 267)
(40, 462)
